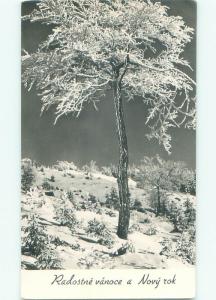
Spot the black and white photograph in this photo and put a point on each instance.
(108, 170)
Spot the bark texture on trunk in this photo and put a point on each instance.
(122, 178)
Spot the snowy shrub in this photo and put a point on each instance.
(70, 196)
(110, 213)
(89, 177)
(90, 203)
(75, 246)
(41, 202)
(134, 227)
(185, 247)
(27, 176)
(125, 248)
(133, 171)
(110, 170)
(93, 260)
(99, 211)
(106, 171)
(137, 204)
(99, 229)
(112, 199)
(34, 237)
(182, 217)
(91, 167)
(92, 198)
(66, 217)
(188, 183)
(55, 240)
(65, 166)
(129, 247)
(46, 185)
(190, 214)
(151, 231)
(106, 240)
(34, 198)
(114, 170)
(95, 227)
(167, 248)
(48, 259)
(52, 178)
(27, 161)
(87, 262)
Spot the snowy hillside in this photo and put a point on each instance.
(69, 221)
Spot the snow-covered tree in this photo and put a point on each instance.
(162, 176)
(133, 47)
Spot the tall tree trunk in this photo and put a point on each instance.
(122, 178)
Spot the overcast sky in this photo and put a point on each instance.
(93, 135)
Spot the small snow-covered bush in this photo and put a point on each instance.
(133, 171)
(137, 204)
(55, 240)
(95, 227)
(106, 171)
(88, 176)
(93, 260)
(75, 246)
(182, 217)
(52, 178)
(110, 170)
(65, 216)
(70, 196)
(125, 248)
(91, 167)
(98, 211)
(92, 198)
(87, 262)
(34, 237)
(151, 231)
(129, 247)
(167, 246)
(48, 259)
(190, 214)
(100, 230)
(37, 243)
(106, 240)
(112, 199)
(27, 176)
(65, 166)
(110, 213)
(188, 183)
(34, 198)
(185, 247)
(46, 185)
(134, 227)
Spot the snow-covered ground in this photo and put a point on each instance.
(78, 249)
